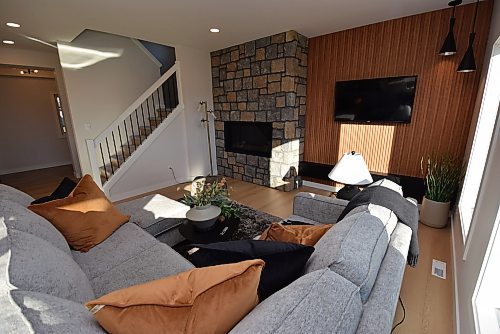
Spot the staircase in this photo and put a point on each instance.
(132, 132)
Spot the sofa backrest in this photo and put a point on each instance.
(30, 263)
(17, 216)
(36, 266)
(355, 247)
(7, 192)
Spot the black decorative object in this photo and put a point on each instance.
(449, 47)
(63, 190)
(468, 63)
(347, 192)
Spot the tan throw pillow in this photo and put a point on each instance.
(202, 300)
(300, 234)
(85, 218)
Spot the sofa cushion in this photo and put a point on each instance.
(155, 213)
(156, 262)
(284, 261)
(354, 249)
(319, 302)
(20, 218)
(33, 312)
(85, 218)
(15, 195)
(201, 300)
(124, 244)
(32, 264)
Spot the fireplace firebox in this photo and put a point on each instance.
(253, 138)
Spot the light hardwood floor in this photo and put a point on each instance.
(428, 300)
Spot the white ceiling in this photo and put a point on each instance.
(187, 22)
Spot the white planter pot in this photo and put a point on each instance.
(203, 217)
(434, 214)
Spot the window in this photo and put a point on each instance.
(481, 143)
(60, 115)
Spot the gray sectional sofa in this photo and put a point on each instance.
(351, 284)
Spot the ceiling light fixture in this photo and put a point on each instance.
(6, 41)
(28, 71)
(468, 63)
(13, 24)
(214, 30)
(449, 46)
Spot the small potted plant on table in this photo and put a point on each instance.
(442, 175)
(208, 201)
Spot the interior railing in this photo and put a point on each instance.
(116, 144)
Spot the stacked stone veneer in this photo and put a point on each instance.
(262, 81)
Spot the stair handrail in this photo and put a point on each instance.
(137, 103)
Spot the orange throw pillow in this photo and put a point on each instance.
(300, 234)
(85, 218)
(202, 300)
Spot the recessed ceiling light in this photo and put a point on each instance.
(214, 30)
(21, 72)
(35, 71)
(6, 41)
(13, 24)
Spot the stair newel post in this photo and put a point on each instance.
(96, 175)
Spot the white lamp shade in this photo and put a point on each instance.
(351, 170)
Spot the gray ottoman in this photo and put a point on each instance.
(158, 215)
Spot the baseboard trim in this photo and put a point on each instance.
(320, 186)
(147, 189)
(456, 309)
(34, 167)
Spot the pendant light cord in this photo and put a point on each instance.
(475, 17)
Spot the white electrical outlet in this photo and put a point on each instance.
(439, 269)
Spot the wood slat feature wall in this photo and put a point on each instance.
(444, 100)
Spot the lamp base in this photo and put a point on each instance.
(347, 192)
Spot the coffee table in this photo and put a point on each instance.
(221, 231)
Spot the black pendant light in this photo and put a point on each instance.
(468, 63)
(449, 47)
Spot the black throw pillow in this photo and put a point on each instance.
(284, 261)
(63, 190)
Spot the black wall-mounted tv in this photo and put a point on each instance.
(381, 100)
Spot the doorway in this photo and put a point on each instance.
(32, 127)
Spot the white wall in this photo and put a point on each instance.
(467, 266)
(103, 74)
(197, 86)
(183, 145)
(14, 55)
(29, 129)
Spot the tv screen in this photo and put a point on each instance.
(383, 100)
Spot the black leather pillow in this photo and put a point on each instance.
(63, 190)
(284, 261)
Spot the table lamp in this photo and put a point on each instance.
(352, 171)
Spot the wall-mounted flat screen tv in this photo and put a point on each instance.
(381, 100)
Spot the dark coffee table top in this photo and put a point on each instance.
(222, 231)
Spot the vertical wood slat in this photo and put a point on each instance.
(444, 101)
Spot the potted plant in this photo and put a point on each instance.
(442, 175)
(208, 201)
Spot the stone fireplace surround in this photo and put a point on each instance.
(262, 81)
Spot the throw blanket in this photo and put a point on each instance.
(406, 212)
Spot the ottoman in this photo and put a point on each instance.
(158, 215)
